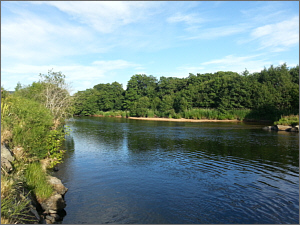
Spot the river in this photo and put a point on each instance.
(148, 172)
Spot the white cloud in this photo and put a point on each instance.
(104, 16)
(79, 75)
(189, 18)
(253, 63)
(31, 38)
(278, 36)
(216, 32)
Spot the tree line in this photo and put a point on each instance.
(268, 93)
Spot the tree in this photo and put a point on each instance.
(85, 102)
(56, 96)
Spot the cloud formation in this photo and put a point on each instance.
(278, 36)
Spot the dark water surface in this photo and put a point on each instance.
(129, 171)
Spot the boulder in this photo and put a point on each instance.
(55, 202)
(283, 128)
(57, 185)
(294, 129)
(6, 153)
(6, 165)
(267, 128)
(55, 216)
(50, 218)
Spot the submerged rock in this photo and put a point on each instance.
(282, 128)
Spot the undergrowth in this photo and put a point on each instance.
(36, 181)
(291, 120)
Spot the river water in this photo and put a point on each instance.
(130, 171)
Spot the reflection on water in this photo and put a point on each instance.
(129, 171)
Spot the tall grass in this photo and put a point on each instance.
(213, 114)
(117, 113)
(288, 120)
(14, 209)
(37, 182)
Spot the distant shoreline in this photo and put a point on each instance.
(181, 120)
(185, 120)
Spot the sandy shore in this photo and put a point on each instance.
(181, 120)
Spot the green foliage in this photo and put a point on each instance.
(15, 209)
(51, 91)
(29, 123)
(268, 94)
(150, 113)
(53, 144)
(291, 120)
(37, 182)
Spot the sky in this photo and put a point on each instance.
(105, 41)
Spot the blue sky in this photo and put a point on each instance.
(106, 41)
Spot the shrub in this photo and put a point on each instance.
(288, 120)
(29, 123)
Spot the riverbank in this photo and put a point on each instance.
(182, 120)
(29, 194)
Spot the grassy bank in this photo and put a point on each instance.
(34, 134)
(196, 114)
(270, 115)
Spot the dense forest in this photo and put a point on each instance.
(262, 95)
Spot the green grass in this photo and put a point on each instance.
(290, 120)
(150, 113)
(212, 114)
(14, 208)
(112, 113)
(37, 182)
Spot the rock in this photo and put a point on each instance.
(55, 168)
(55, 216)
(282, 127)
(267, 128)
(274, 128)
(50, 218)
(52, 211)
(48, 221)
(294, 129)
(35, 213)
(57, 185)
(45, 163)
(6, 165)
(55, 202)
(6, 153)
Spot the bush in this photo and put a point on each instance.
(29, 123)
(291, 120)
